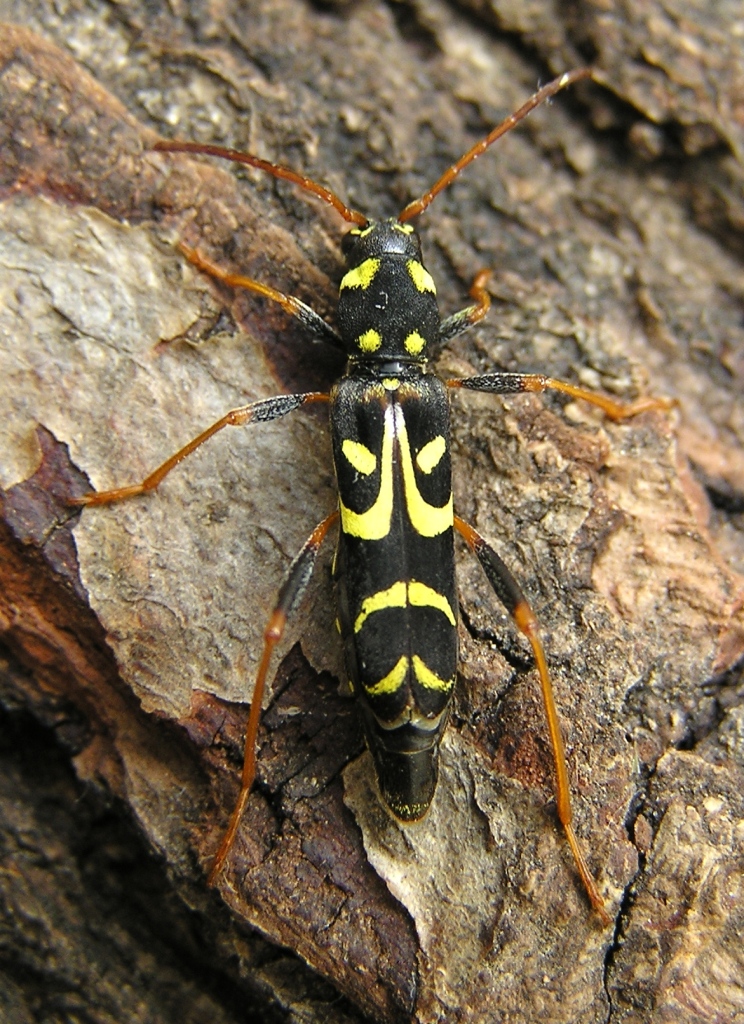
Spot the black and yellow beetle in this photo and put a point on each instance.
(394, 565)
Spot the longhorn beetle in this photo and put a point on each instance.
(394, 565)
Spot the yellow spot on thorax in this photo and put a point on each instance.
(361, 276)
(370, 341)
(414, 343)
(391, 383)
(421, 277)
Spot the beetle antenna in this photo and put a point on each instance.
(276, 170)
(417, 206)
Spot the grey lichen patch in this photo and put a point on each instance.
(480, 878)
(80, 296)
(182, 579)
(442, 869)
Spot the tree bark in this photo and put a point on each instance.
(133, 631)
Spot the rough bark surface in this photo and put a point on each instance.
(611, 221)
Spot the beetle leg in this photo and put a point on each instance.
(256, 412)
(295, 307)
(510, 594)
(293, 588)
(459, 322)
(515, 383)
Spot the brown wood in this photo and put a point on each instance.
(133, 632)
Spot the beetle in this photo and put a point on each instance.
(390, 429)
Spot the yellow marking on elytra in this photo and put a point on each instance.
(393, 597)
(406, 229)
(374, 524)
(370, 341)
(337, 624)
(422, 596)
(414, 343)
(392, 681)
(431, 454)
(409, 812)
(421, 277)
(430, 679)
(361, 276)
(360, 456)
(400, 594)
(428, 520)
(391, 383)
